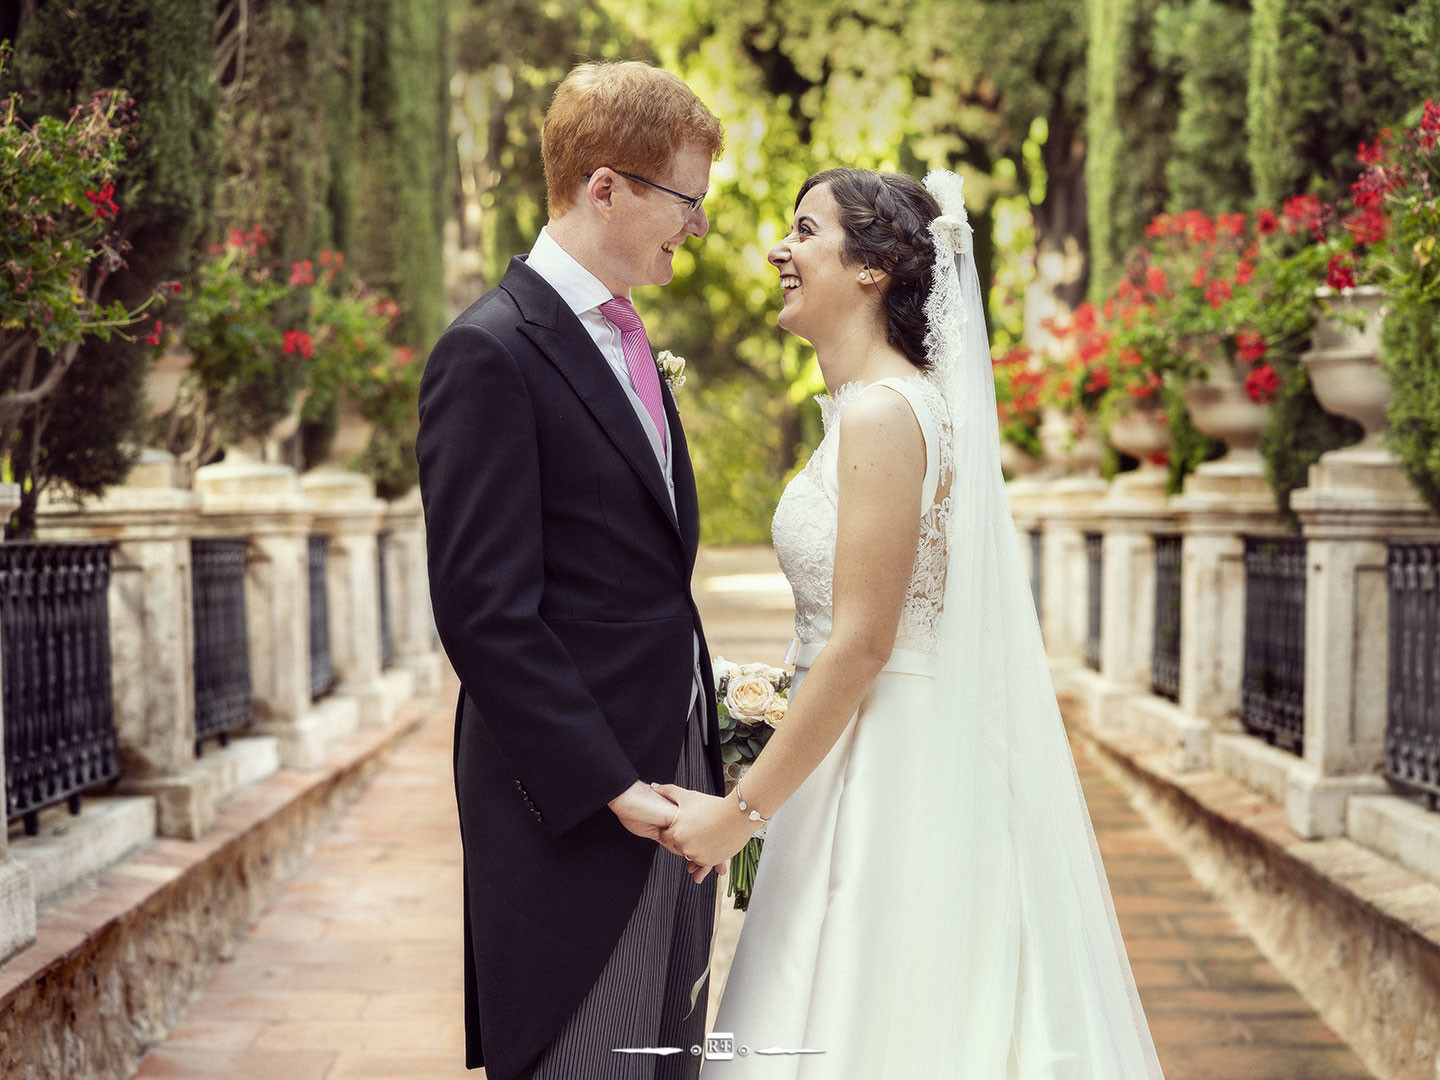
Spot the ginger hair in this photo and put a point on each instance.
(625, 115)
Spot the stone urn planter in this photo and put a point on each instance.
(1220, 408)
(162, 381)
(1344, 362)
(1017, 462)
(351, 436)
(1075, 455)
(1144, 434)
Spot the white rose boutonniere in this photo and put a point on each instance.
(672, 368)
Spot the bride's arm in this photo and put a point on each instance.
(881, 471)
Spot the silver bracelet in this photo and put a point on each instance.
(754, 814)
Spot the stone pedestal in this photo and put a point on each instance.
(264, 503)
(151, 641)
(1222, 502)
(17, 890)
(1136, 508)
(347, 511)
(407, 573)
(1357, 501)
(1072, 504)
(1026, 497)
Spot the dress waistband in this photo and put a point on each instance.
(902, 661)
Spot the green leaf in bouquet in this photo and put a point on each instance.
(731, 754)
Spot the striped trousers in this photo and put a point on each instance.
(642, 996)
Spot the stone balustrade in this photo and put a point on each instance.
(1356, 506)
(168, 787)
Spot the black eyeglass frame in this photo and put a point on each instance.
(692, 201)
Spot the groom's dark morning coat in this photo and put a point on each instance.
(560, 581)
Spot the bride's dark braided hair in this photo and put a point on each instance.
(886, 217)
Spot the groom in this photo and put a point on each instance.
(562, 529)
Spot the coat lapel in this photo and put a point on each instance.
(560, 337)
(687, 505)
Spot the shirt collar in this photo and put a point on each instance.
(581, 290)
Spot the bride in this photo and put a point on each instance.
(930, 902)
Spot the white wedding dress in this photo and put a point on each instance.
(913, 917)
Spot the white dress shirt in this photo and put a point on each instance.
(583, 294)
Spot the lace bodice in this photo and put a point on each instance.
(806, 521)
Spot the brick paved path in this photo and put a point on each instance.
(354, 971)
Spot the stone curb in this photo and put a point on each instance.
(114, 967)
(1357, 934)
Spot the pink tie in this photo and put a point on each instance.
(639, 360)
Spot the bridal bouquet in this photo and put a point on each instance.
(751, 700)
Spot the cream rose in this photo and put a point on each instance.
(775, 711)
(672, 368)
(748, 696)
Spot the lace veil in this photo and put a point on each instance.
(1025, 906)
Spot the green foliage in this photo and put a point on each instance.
(57, 251)
(1133, 104)
(1189, 446)
(736, 430)
(1203, 44)
(1297, 432)
(241, 322)
(290, 111)
(160, 53)
(1410, 344)
(994, 91)
(406, 159)
(1324, 77)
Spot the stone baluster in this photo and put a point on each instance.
(17, 890)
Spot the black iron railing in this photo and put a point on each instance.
(1165, 653)
(1093, 582)
(1037, 563)
(55, 638)
(1412, 728)
(223, 692)
(1272, 692)
(387, 638)
(322, 667)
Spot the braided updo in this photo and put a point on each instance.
(886, 218)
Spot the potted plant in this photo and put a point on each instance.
(246, 331)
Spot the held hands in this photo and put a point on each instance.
(644, 811)
(707, 829)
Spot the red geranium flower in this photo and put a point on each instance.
(154, 338)
(1244, 273)
(1217, 292)
(1305, 211)
(1250, 345)
(1339, 273)
(302, 273)
(1262, 384)
(1157, 282)
(1266, 221)
(1367, 225)
(299, 341)
(101, 203)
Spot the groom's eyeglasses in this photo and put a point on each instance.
(692, 202)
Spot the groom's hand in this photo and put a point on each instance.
(644, 811)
